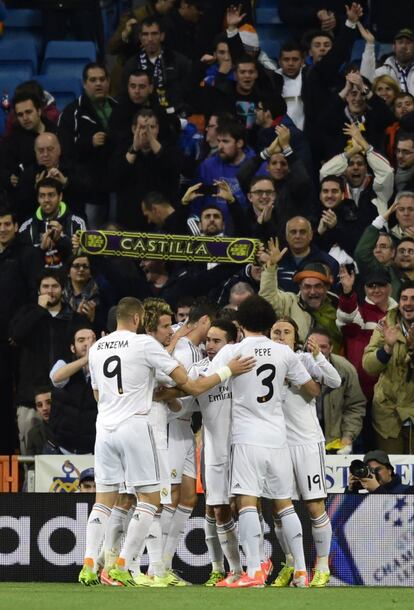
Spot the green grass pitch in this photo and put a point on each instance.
(48, 596)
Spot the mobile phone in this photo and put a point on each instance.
(208, 189)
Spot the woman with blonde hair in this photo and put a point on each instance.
(386, 88)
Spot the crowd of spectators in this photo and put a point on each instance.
(196, 131)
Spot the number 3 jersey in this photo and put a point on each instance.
(122, 367)
(257, 416)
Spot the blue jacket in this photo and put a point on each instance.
(214, 168)
(288, 267)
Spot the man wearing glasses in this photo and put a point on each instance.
(376, 251)
(50, 229)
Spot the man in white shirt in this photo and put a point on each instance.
(215, 406)
(122, 367)
(181, 443)
(260, 459)
(307, 449)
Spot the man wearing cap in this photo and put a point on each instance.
(400, 65)
(311, 306)
(87, 481)
(385, 481)
(390, 354)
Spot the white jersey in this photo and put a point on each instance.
(257, 416)
(187, 354)
(215, 406)
(122, 367)
(302, 424)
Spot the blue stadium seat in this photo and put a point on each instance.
(384, 48)
(358, 49)
(67, 58)
(271, 47)
(23, 18)
(24, 25)
(8, 83)
(267, 15)
(63, 89)
(18, 59)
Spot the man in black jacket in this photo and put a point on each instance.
(50, 163)
(142, 165)
(41, 332)
(19, 266)
(18, 148)
(83, 130)
(169, 70)
(51, 228)
(73, 415)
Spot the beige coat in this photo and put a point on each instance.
(393, 394)
(343, 407)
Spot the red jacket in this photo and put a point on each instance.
(357, 323)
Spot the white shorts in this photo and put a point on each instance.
(127, 454)
(216, 483)
(309, 471)
(181, 451)
(260, 472)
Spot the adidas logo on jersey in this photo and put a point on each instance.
(298, 536)
(237, 486)
(97, 521)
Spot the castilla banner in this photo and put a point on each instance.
(170, 247)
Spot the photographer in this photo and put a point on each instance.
(375, 474)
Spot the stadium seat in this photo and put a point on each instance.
(8, 83)
(67, 58)
(18, 59)
(24, 25)
(63, 89)
(358, 49)
(271, 47)
(267, 15)
(23, 18)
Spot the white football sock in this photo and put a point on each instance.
(177, 527)
(115, 529)
(95, 532)
(292, 529)
(213, 544)
(137, 532)
(227, 534)
(154, 548)
(322, 536)
(249, 528)
(166, 517)
(261, 539)
(280, 535)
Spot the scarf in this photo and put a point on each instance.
(158, 76)
(402, 177)
(402, 76)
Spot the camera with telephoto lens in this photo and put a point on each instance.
(360, 470)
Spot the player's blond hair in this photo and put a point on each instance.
(128, 307)
(153, 310)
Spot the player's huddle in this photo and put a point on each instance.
(261, 438)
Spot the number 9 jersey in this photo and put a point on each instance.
(122, 367)
(257, 416)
